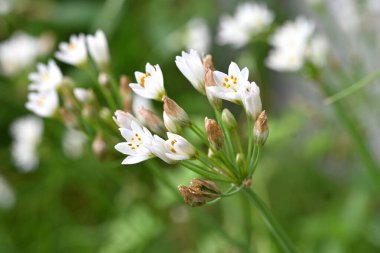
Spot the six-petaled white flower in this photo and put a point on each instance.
(74, 52)
(137, 143)
(98, 48)
(149, 84)
(43, 103)
(250, 97)
(191, 66)
(124, 119)
(227, 86)
(47, 77)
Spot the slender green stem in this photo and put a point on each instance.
(201, 171)
(230, 149)
(352, 127)
(115, 89)
(250, 140)
(271, 222)
(237, 139)
(199, 134)
(254, 161)
(355, 87)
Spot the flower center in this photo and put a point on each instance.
(72, 46)
(230, 81)
(135, 142)
(172, 149)
(142, 79)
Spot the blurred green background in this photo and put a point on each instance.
(309, 174)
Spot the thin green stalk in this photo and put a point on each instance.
(115, 89)
(271, 222)
(352, 127)
(231, 152)
(250, 139)
(238, 142)
(353, 88)
(199, 134)
(205, 173)
(207, 161)
(254, 161)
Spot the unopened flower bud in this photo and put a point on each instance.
(175, 118)
(208, 63)
(240, 160)
(105, 113)
(123, 119)
(68, 118)
(199, 192)
(99, 146)
(214, 134)
(84, 95)
(151, 120)
(261, 130)
(228, 119)
(126, 93)
(103, 78)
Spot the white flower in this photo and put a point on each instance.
(73, 143)
(285, 60)
(227, 86)
(178, 148)
(124, 119)
(43, 103)
(191, 66)
(250, 97)
(197, 35)
(7, 196)
(290, 43)
(83, 95)
(254, 18)
(6, 6)
(249, 20)
(170, 124)
(159, 149)
(47, 77)
(293, 35)
(98, 48)
(74, 52)
(317, 50)
(27, 133)
(17, 53)
(230, 32)
(149, 84)
(136, 145)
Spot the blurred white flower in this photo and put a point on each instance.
(178, 148)
(317, 50)
(74, 52)
(290, 42)
(83, 95)
(229, 32)
(293, 35)
(197, 35)
(285, 60)
(194, 35)
(5, 6)
(43, 103)
(191, 66)
(27, 133)
(47, 77)
(17, 53)
(98, 48)
(73, 143)
(149, 84)
(137, 143)
(249, 20)
(227, 86)
(7, 196)
(346, 14)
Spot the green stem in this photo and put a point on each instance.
(271, 222)
(352, 127)
(355, 87)
(229, 146)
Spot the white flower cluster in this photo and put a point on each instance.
(27, 133)
(141, 145)
(293, 44)
(249, 20)
(19, 52)
(43, 99)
